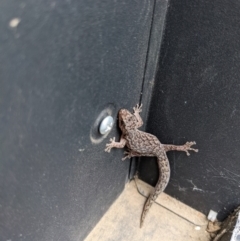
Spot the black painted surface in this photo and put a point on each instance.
(197, 98)
(63, 64)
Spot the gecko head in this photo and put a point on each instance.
(125, 119)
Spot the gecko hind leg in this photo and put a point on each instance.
(129, 154)
(186, 147)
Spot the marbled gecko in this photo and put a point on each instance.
(140, 143)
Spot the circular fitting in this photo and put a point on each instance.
(106, 125)
(103, 124)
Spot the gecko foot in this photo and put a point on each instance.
(137, 109)
(128, 154)
(110, 145)
(187, 147)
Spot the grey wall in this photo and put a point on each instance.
(62, 68)
(197, 97)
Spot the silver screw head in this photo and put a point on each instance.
(106, 125)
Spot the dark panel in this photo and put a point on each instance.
(196, 97)
(60, 67)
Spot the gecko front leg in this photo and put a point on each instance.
(136, 111)
(115, 144)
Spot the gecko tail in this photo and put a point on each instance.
(146, 208)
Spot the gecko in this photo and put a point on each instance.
(141, 143)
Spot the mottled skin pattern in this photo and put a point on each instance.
(140, 143)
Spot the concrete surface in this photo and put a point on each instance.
(167, 220)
